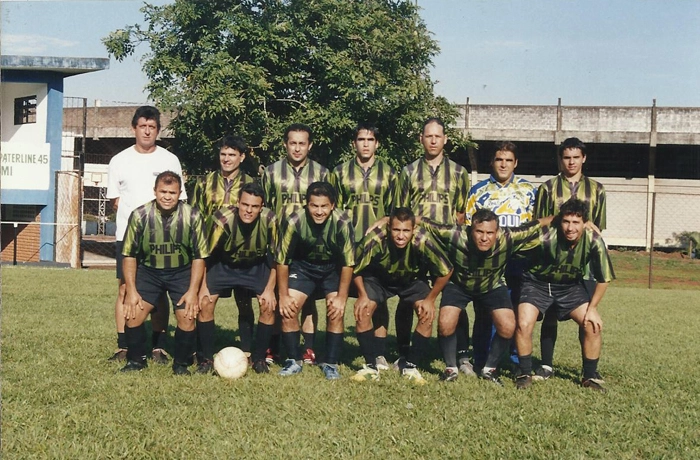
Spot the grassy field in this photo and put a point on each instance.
(62, 399)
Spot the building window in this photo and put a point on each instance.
(25, 110)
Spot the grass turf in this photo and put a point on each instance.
(62, 399)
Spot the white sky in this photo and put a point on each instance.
(588, 52)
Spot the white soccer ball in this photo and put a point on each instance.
(231, 363)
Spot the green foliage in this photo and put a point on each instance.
(254, 67)
(62, 399)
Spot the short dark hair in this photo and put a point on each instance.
(484, 215)
(403, 214)
(574, 207)
(365, 126)
(148, 112)
(233, 142)
(572, 143)
(252, 188)
(298, 127)
(320, 189)
(506, 146)
(433, 120)
(168, 177)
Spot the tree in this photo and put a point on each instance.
(253, 67)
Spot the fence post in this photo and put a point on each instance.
(651, 249)
(14, 244)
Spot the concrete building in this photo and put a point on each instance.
(31, 135)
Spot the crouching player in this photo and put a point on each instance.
(479, 253)
(240, 242)
(555, 281)
(315, 251)
(395, 262)
(164, 251)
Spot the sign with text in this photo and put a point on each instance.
(25, 166)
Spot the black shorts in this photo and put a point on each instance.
(308, 277)
(563, 298)
(409, 293)
(118, 246)
(223, 278)
(151, 283)
(456, 296)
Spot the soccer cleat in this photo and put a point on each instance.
(381, 363)
(160, 356)
(271, 358)
(450, 374)
(523, 382)
(594, 383)
(399, 364)
(330, 371)
(466, 368)
(309, 357)
(365, 374)
(181, 369)
(412, 374)
(491, 375)
(205, 366)
(119, 355)
(543, 373)
(134, 366)
(291, 367)
(261, 367)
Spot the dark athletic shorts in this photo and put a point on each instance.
(118, 246)
(455, 296)
(410, 293)
(308, 277)
(151, 283)
(223, 278)
(563, 298)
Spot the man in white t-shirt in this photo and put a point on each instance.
(131, 175)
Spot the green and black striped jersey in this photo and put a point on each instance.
(437, 194)
(302, 239)
(555, 261)
(477, 271)
(236, 243)
(214, 191)
(380, 257)
(165, 241)
(365, 196)
(285, 187)
(557, 191)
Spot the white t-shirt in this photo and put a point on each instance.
(132, 177)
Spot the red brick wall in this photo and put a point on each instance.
(27, 242)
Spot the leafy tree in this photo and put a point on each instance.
(253, 67)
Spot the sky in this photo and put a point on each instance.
(586, 52)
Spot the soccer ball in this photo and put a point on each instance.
(231, 363)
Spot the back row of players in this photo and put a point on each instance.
(364, 231)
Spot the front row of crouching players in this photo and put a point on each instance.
(554, 281)
(315, 253)
(240, 239)
(396, 260)
(164, 250)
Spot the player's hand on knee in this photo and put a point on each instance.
(288, 307)
(132, 301)
(593, 317)
(267, 301)
(205, 295)
(191, 304)
(362, 308)
(335, 307)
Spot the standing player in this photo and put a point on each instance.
(164, 251)
(396, 262)
(512, 198)
(551, 195)
(554, 283)
(285, 183)
(479, 254)
(241, 241)
(433, 187)
(130, 177)
(315, 252)
(216, 190)
(366, 192)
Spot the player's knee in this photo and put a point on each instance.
(445, 327)
(185, 323)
